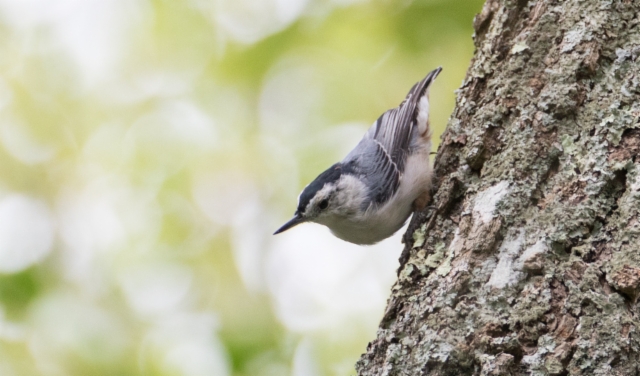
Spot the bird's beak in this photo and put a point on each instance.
(296, 220)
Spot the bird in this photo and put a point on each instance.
(370, 194)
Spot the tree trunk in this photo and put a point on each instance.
(528, 262)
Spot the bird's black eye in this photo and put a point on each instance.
(323, 204)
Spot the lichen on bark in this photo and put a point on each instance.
(528, 262)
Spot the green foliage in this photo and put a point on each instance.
(149, 149)
(18, 290)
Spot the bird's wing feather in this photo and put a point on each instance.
(381, 155)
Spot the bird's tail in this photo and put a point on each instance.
(419, 95)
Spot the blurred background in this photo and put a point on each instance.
(149, 149)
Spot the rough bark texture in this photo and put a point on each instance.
(529, 261)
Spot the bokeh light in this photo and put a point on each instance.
(149, 149)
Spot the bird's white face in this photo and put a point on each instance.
(337, 201)
(322, 203)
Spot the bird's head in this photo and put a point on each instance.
(333, 194)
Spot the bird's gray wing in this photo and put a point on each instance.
(380, 157)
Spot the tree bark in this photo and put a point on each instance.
(528, 262)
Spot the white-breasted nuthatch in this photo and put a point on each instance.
(369, 195)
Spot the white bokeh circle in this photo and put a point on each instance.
(26, 232)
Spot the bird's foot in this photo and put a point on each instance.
(421, 202)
